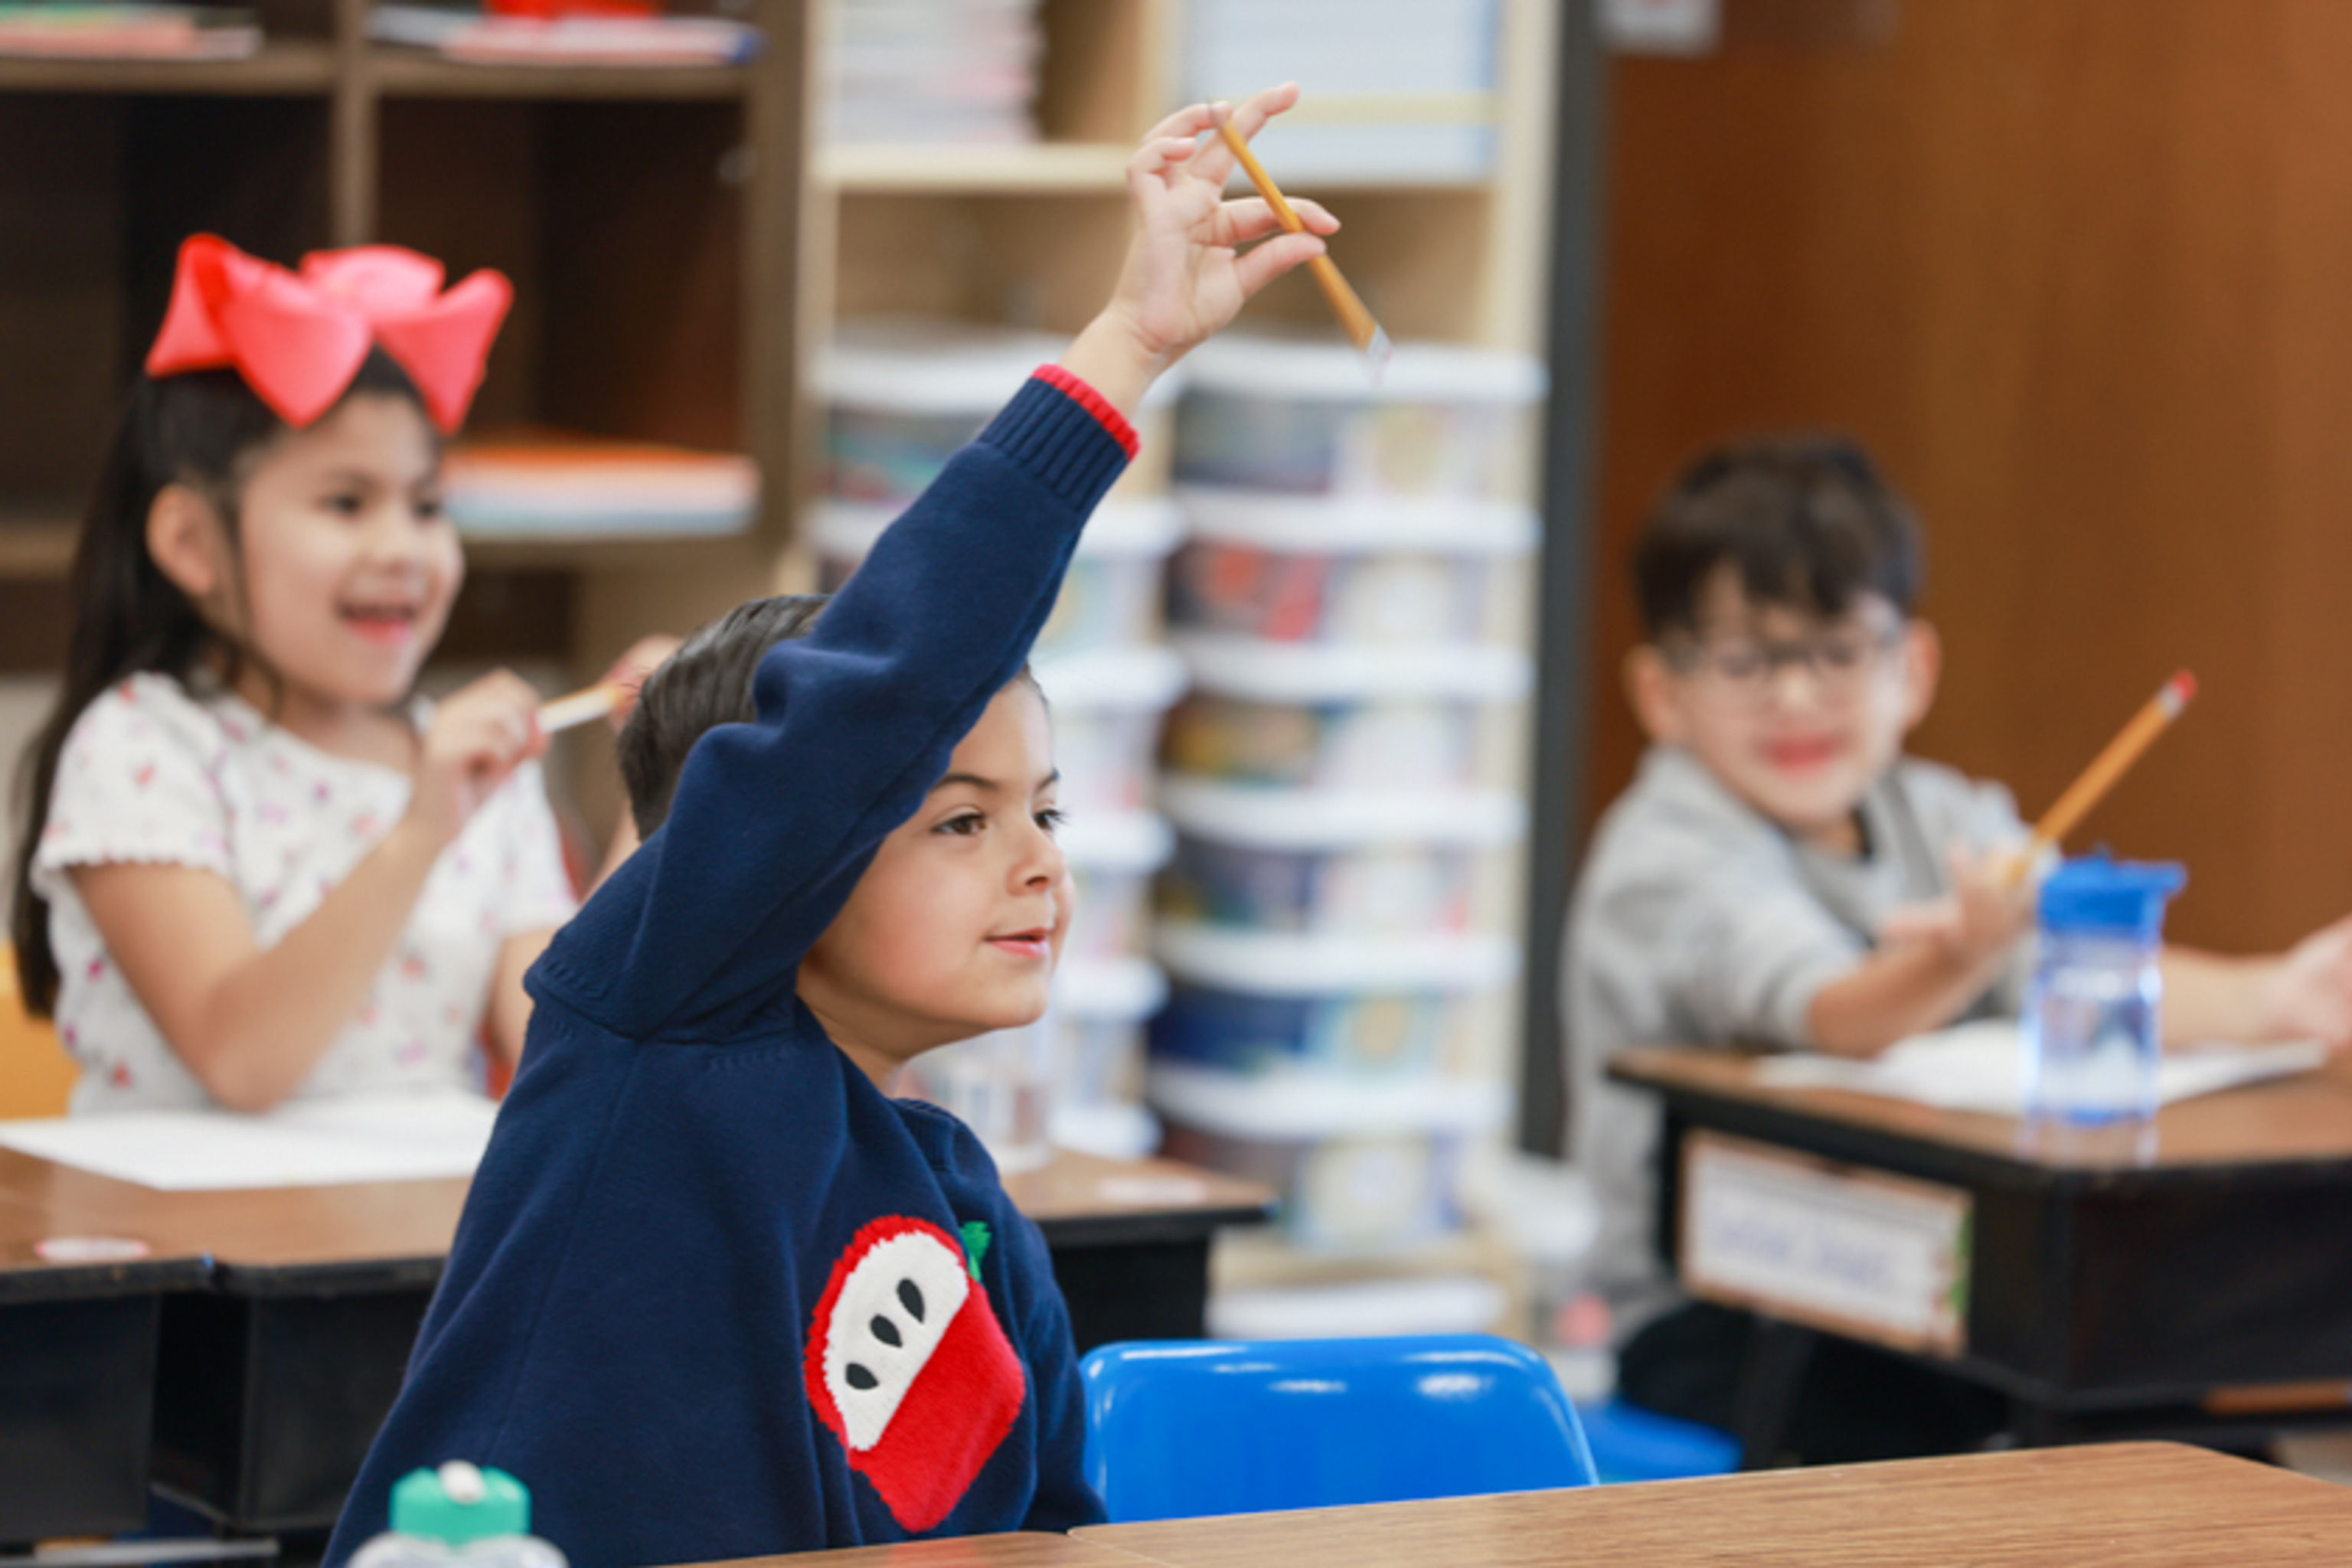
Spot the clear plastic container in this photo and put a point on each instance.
(458, 1516)
(1264, 1004)
(2092, 1030)
(1338, 717)
(1018, 1088)
(1110, 598)
(1328, 864)
(902, 394)
(1108, 709)
(1111, 859)
(1300, 417)
(1361, 1168)
(1348, 571)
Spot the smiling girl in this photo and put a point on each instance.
(253, 867)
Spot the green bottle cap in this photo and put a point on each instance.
(458, 1503)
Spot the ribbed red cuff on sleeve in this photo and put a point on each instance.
(1094, 403)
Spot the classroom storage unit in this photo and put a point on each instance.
(1339, 918)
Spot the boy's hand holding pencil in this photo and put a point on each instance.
(1185, 274)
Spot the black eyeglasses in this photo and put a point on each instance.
(1839, 662)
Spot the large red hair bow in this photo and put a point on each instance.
(297, 337)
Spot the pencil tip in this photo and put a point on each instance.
(1377, 353)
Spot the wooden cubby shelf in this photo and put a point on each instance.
(395, 72)
(285, 66)
(1037, 168)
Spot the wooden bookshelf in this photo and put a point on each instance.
(678, 244)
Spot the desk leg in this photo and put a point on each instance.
(265, 1406)
(1777, 1354)
(1135, 1290)
(77, 1398)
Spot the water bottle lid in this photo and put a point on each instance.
(460, 1502)
(2122, 898)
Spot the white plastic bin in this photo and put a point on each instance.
(1336, 716)
(1326, 864)
(1300, 417)
(1361, 570)
(1110, 597)
(1108, 707)
(1362, 1168)
(1111, 858)
(1099, 1008)
(901, 393)
(1073, 1077)
(1267, 1003)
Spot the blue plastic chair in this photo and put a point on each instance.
(1180, 1429)
(1630, 1444)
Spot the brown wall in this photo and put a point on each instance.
(2080, 271)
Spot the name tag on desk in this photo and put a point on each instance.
(1860, 1253)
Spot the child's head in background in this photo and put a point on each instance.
(1776, 579)
(954, 927)
(269, 515)
(309, 566)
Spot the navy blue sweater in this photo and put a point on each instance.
(713, 1294)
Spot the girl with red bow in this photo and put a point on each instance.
(254, 865)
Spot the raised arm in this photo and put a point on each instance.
(773, 821)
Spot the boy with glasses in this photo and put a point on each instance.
(1779, 873)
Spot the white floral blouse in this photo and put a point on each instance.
(153, 774)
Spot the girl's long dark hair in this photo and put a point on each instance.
(205, 430)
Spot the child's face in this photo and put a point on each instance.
(348, 566)
(954, 929)
(1796, 713)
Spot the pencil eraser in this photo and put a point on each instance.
(2184, 686)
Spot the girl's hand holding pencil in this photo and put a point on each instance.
(1185, 274)
(477, 737)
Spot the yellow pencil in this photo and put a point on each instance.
(1354, 316)
(2108, 766)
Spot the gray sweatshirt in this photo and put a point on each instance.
(1698, 920)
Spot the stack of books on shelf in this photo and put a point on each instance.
(932, 70)
(538, 487)
(68, 31)
(476, 37)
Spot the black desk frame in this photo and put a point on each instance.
(78, 1358)
(271, 1386)
(2103, 1303)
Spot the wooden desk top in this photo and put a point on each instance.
(399, 1232)
(2288, 1122)
(2126, 1505)
(1024, 1551)
(1084, 1198)
(26, 1275)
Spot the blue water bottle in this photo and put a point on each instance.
(2091, 1034)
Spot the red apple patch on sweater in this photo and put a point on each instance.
(908, 1367)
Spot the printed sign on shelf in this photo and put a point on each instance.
(1860, 1253)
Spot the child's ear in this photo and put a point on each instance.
(1923, 666)
(185, 541)
(1650, 687)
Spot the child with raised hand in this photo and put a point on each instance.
(714, 1294)
(1781, 873)
(253, 867)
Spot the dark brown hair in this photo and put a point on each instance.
(1806, 521)
(206, 430)
(705, 683)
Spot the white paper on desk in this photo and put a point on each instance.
(1981, 1066)
(411, 1135)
